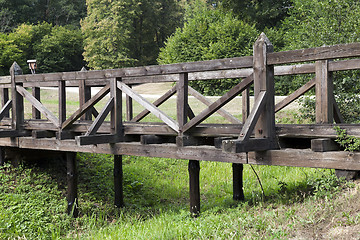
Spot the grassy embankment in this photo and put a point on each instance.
(298, 203)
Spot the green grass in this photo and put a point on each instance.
(33, 202)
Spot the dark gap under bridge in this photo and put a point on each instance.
(254, 139)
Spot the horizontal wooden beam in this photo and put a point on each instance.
(286, 157)
(314, 54)
(96, 139)
(250, 145)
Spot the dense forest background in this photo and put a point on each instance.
(66, 35)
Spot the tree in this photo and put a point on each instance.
(316, 23)
(61, 12)
(265, 14)
(208, 34)
(60, 51)
(124, 33)
(9, 52)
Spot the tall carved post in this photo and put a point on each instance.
(17, 99)
(118, 181)
(324, 93)
(72, 182)
(194, 174)
(264, 81)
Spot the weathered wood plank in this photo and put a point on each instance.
(151, 107)
(338, 118)
(100, 118)
(231, 94)
(96, 139)
(116, 113)
(314, 54)
(14, 133)
(95, 99)
(38, 105)
(207, 102)
(157, 103)
(295, 95)
(324, 145)
(250, 145)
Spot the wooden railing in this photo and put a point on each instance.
(256, 131)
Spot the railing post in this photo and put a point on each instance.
(129, 108)
(324, 93)
(182, 100)
(62, 101)
(264, 81)
(116, 113)
(17, 99)
(84, 96)
(36, 93)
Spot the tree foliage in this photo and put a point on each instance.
(209, 34)
(56, 48)
(123, 33)
(60, 12)
(316, 23)
(265, 14)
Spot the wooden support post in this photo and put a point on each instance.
(116, 113)
(238, 192)
(71, 184)
(245, 104)
(129, 108)
(17, 99)
(182, 100)
(62, 102)
(2, 156)
(264, 81)
(324, 93)
(84, 96)
(118, 181)
(36, 93)
(194, 170)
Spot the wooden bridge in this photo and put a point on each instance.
(254, 139)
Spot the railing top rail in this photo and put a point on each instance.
(136, 74)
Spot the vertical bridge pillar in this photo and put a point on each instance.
(72, 184)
